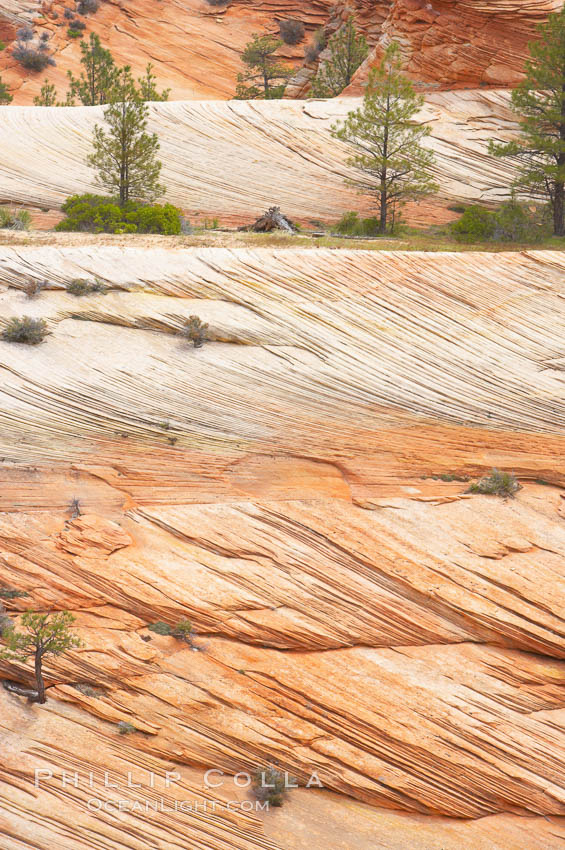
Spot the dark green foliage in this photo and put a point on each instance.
(351, 225)
(475, 225)
(291, 31)
(512, 222)
(74, 33)
(160, 628)
(539, 101)
(148, 89)
(498, 483)
(263, 69)
(347, 51)
(11, 593)
(97, 214)
(25, 330)
(5, 96)
(126, 728)
(86, 287)
(195, 331)
(269, 785)
(98, 77)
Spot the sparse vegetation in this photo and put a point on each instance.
(25, 330)
(182, 631)
(33, 57)
(263, 69)
(316, 46)
(35, 287)
(12, 593)
(195, 331)
(74, 508)
(45, 634)
(348, 50)
(291, 31)
(351, 225)
(504, 484)
(5, 96)
(14, 219)
(88, 7)
(86, 287)
(47, 95)
(269, 785)
(126, 728)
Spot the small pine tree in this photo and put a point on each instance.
(263, 67)
(347, 51)
(47, 95)
(148, 89)
(98, 77)
(387, 141)
(45, 634)
(125, 156)
(5, 96)
(539, 100)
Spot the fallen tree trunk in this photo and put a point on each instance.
(16, 688)
(273, 219)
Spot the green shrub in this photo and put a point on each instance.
(126, 728)
(11, 593)
(351, 225)
(160, 628)
(74, 33)
(26, 330)
(14, 219)
(498, 483)
(512, 222)
(475, 225)
(85, 287)
(195, 331)
(97, 214)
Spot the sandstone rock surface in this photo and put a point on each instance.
(233, 160)
(282, 488)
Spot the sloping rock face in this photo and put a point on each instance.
(234, 160)
(195, 46)
(296, 488)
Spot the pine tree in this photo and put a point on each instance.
(347, 51)
(263, 69)
(45, 634)
(389, 156)
(47, 95)
(96, 81)
(148, 89)
(5, 96)
(125, 156)
(540, 102)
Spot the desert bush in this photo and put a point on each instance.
(74, 32)
(195, 331)
(14, 219)
(218, 2)
(69, 14)
(88, 7)
(182, 631)
(32, 58)
(25, 330)
(35, 287)
(97, 214)
(80, 287)
(316, 46)
(25, 34)
(291, 31)
(269, 785)
(6, 622)
(504, 484)
(126, 728)
(351, 225)
(475, 225)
